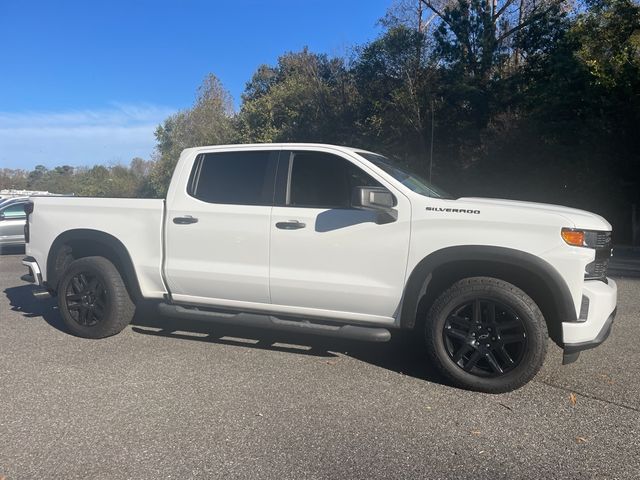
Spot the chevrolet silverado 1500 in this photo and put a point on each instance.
(334, 241)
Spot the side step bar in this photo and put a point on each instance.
(352, 332)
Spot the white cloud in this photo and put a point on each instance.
(79, 137)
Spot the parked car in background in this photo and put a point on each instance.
(6, 200)
(13, 217)
(12, 221)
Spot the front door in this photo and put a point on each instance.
(329, 259)
(217, 230)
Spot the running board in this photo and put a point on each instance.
(351, 332)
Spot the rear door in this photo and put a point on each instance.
(217, 230)
(327, 258)
(12, 220)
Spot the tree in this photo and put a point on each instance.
(140, 167)
(94, 182)
(13, 179)
(481, 34)
(36, 177)
(306, 97)
(532, 99)
(208, 122)
(396, 86)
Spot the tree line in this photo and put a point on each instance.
(529, 99)
(98, 181)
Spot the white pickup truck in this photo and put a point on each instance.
(334, 241)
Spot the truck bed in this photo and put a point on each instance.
(137, 223)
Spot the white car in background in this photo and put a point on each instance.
(12, 221)
(13, 217)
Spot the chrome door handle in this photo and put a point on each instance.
(290, 225)
(186, 220)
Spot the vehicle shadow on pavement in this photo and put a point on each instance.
(401, 354)
(21, 300)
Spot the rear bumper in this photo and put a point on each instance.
(595, 329)
(34, 275)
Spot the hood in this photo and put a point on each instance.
(576, 218)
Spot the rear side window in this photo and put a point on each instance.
(323, 180)
(14, 211)
(236, 178)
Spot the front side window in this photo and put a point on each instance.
(14, 211)
(321, 180)
(236, 178)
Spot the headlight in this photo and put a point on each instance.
(586, 238)
(600, 241)
(573, 237)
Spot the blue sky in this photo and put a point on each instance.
(87, 82)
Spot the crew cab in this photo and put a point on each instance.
(334, 241)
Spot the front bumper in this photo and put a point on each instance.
(582, 335)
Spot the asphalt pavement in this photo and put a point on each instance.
(167, 399)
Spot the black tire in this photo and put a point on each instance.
(93, 299)
(497, 350)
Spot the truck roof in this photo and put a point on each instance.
(278, 145)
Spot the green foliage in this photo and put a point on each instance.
(16, 179)
(306, 97)
(208, 122)
(531, 99)
(396, 86)
(609, 37)
(466, 38)
(563, 126)
(97, 181)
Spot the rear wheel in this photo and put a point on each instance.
(486, 334)
(93, 299)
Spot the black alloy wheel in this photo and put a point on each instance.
(93, 300)
(86, 298)
(485, 337)
(486, 334)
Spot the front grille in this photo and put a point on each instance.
(597, 270)
(603, 240)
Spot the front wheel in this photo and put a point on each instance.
(486, 334)
(93, 299)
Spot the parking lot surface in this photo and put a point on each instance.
(171, 399)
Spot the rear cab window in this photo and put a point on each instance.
(234, 178)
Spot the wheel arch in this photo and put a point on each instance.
(536, 277)
(79, 243)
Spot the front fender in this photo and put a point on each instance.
(538, 278)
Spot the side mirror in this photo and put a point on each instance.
(377, 199)
(1, 215)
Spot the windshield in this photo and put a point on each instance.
(408, 178)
